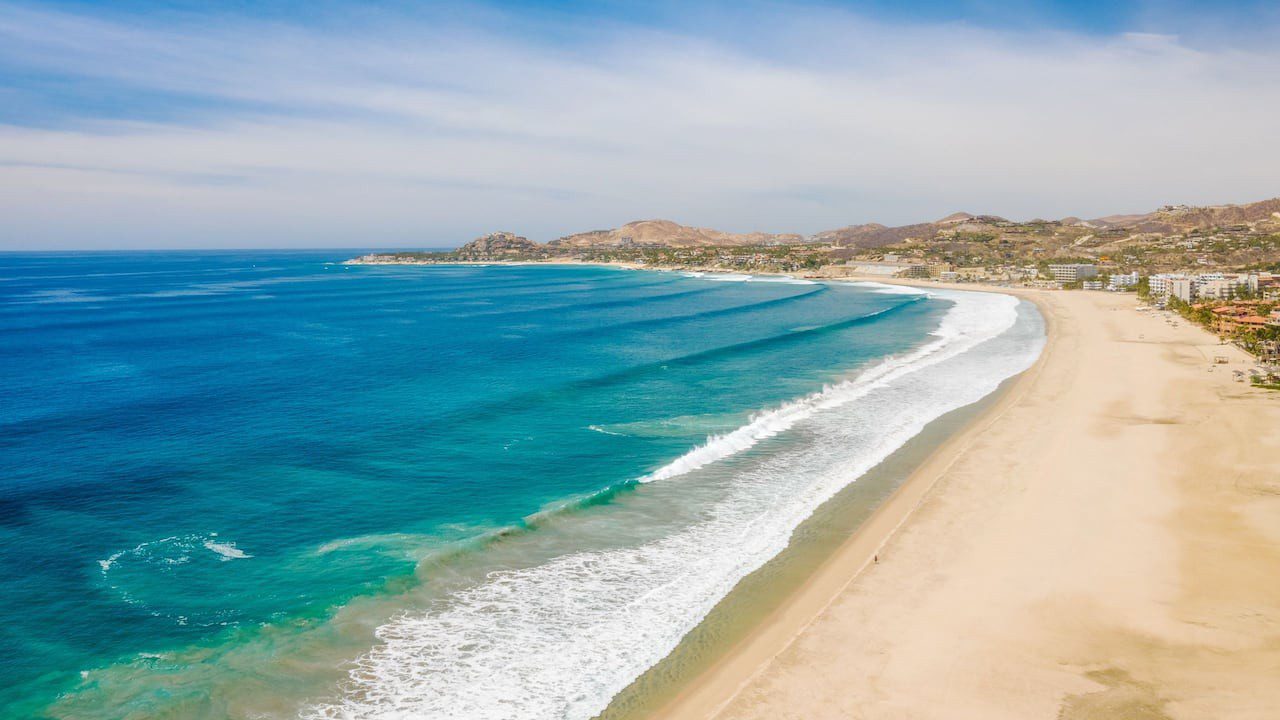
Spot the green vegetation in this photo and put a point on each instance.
(765, 258)
(1255, 340)
(1269, 382)
(1143, 288)
(1201, 315)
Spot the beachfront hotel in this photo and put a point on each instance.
(1073, 272)
(1210, 286)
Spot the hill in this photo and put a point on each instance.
(1263, 216)
(1172, 237)
(665, 233)
(499, 245)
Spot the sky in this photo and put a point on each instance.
(186, 124)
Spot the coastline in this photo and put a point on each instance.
(113, 684)
(1024, 292)
(1044, 611)
(856, 530)
(1098, 543)
(513, 263)
(734, 663)
(707, 694)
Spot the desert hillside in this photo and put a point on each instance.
(667, 234)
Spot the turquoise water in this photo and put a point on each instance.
(263, 484)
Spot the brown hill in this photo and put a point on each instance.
(499, 244)
(1180, 218)
(874, 235)
(666, 233)
(955, 219)
(1170, 219)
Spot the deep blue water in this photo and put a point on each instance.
(192, 444)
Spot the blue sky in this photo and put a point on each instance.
(305, 124)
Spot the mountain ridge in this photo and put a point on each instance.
(667, 233)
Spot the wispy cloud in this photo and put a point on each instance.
(395, 129)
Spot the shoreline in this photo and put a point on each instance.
(705, 695)
(1098, 544)
(796, 274)
(715, 683)
(989, 605)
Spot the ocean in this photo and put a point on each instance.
(268, 485)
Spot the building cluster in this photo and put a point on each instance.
(1240, 315)
(1213, 286)
(1087, 275)
(895, 266)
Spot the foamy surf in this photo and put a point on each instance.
(742, 277)
(887, 289)
(597, 428)
(560, 639)
(959, 332)
(227, 550)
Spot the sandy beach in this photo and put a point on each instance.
(1100, 543)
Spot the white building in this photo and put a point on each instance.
(1091, 284)
(1223, 288)
(1160, 284)
(889, 269)
(1073, 272)
(1209, 286)
(1120, 282)
(1183, 288)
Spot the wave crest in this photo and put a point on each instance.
(561, 638)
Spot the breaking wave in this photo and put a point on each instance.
(561, 638)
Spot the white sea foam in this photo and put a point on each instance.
(64, 295)
(958, 333)
(784, 279)
(560, 639)
(888, 289)
(168, 551)
(597, 428)
(128, 572)
(106, 564)
(741, 277)
(227, 550)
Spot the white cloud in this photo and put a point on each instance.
(415, 133)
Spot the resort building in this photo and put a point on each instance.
(1207, 286)
(1159, 284)
(1225, 288)
(915, 270)
(890, 269)
(1120, 282)
(1091, 284)
(1073, 272)
(1230, 319)
(1268, 286)
(937, 268)
(1182, 288)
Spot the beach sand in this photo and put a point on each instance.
(1102, 542)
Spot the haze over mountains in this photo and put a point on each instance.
(1263, 216)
